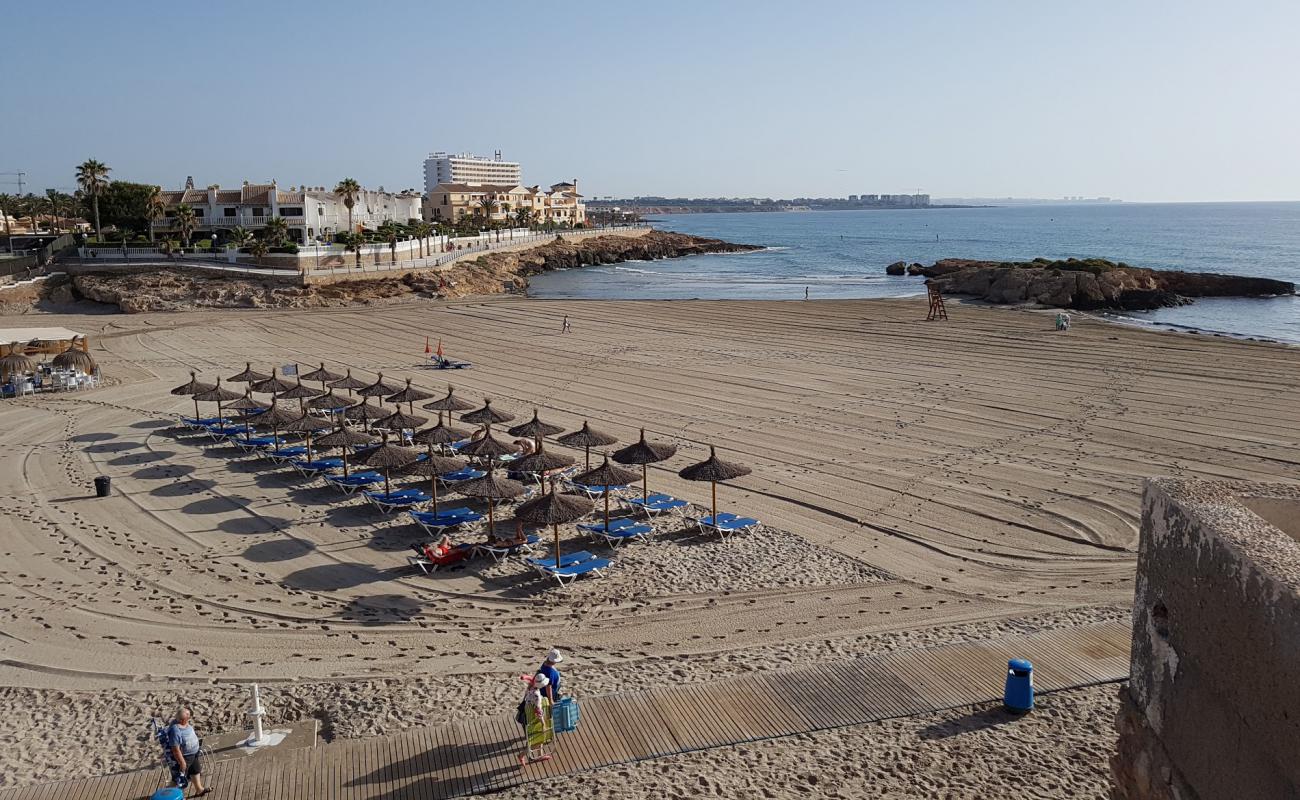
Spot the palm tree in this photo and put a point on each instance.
(185, 222)
(154, 208)
(30, 207)
(92, 177)
(487, 206)
(522, 215)
(423, 231)
(168, 247)
(353, 241)
(239, 236)
(7, 206)
(349, 190)
(388, 231)
(276, 231)
(259, 249)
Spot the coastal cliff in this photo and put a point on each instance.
(1087, 285)
(167, 289)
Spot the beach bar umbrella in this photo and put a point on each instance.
(489, 448)
(714, 470)
(345, 438)
(328, 402)
(439, 434)
(449, 403)
(491, 488)
(275, 418)
(321, 376)
(272, 385)
(348, 382)
(554, 509)
(246, 404)
(74, 358)
(535, 429)
(364, 413)
(377, 389)
(192, 387)
(400, 421)
(645, 453)
(16, 362)
(218, 394)
(432, 466)
(606, 475)
(248, 375)
(299, 393)
(409, 395)
(388, 456)
(307, 424)
(587, 437)
(540, 463)
(487, 415)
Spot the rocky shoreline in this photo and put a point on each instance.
(1085, 285)
(167, 289)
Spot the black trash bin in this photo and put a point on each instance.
(103, 484)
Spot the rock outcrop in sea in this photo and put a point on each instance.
(1091, 284)
(167, 289)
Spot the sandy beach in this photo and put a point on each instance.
(919, 483)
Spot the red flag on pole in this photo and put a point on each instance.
(427, 351)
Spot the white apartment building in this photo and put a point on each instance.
(311, 212)
(470, 170)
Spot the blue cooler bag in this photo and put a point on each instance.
(564, 715)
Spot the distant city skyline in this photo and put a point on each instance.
(761, 99)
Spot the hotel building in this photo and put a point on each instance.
(561, 204)
(468, 169)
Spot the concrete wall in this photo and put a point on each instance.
(1213, 707)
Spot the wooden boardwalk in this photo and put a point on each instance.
(479, 755)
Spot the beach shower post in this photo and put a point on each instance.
(258, 737)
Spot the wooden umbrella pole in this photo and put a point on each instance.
(645, 484)
(433, 482)
(588, 458)
(275, 437)
(606, 509)
(345, 461)
(492, 524)
(196, 407)
(309, 445)
(715, 501)
(556, 529)
(386, 487)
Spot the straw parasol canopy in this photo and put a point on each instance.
(491, 488)
(308, 425)
(714, 470)
(299, 393)
(431, 467)
(554, 509)
(275, 418)
(349, 383)
(248, 375)
(409, 395)
(388, 456)
(644, 453)
(192, 387)
(321, 375)
(247, 404)
(488, 448)
(364, 412)
(75, 358)
(401, 421)
(217, 394)
(587, 437)
(328, 402)
(439, 434)
(487, 415)
(345, 438)
(272, 385)
(16, 363)
(377, 389)
(606, 475)
(541, 462)
(535, 429)
(449, 403)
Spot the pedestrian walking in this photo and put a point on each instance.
(534, 715)
(187, 765)
(565, 327)
(552, 674)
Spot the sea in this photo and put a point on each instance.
(843, 254)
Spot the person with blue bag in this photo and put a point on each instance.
(564, 710)
(552, 674)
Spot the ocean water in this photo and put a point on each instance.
(842, 254)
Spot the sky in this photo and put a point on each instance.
(1141, 100)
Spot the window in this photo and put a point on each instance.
(230, 212)
(291, 212)
(259, 212)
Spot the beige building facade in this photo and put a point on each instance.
(449, 203)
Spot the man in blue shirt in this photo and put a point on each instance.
(184, 745)
(552, 674)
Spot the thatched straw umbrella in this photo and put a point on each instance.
(387, 457)
(713, 470)
(554, 509)
(409, 395)
(489, 448)
(400, 421)
(275, 418)
(246, 404)
(348, 382)
(193, 387)
(377, 389)
(431, 467)
(364, 412)
(321, 375)
(535, 429)
(541, 462)
(486, 416)
(272, 385)
(645, 453)
(218, 394)
(16, 362)
(248, 375)
(606, 475)
(491, 488)
(307, 424)
(328, 402)
(74, 358)
(345, 438)
(299, 393)
(449, 403)
(439, 434)
(587, 437)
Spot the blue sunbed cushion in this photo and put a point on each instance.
(729, 521)
(581, 568)
(566, 560)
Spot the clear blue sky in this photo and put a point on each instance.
(1140, 100)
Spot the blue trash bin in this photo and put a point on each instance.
(1019, 695)
(169, 793)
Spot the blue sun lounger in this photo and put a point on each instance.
(248, 443)
(357, 480)
(318, 467)
(726, 524)
(460, 476)
(402, 499)
(593, 492)
(569, 574)
(285, 453)
(445, 519)
(226, 431)
(656, 504)
(202, 422)
(566, 560)
(499, 553)
(619, 530)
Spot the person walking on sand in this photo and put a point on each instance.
(534, 714)
(552, 674)
(184, 744)
(565, 327)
